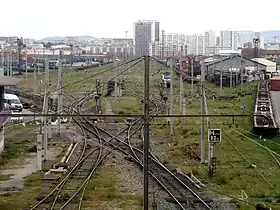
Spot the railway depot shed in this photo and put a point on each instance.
(234, 61)
(4, 81)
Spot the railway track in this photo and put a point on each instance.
(89, 158)
(99, 140)
(86, 159)
(178, 190)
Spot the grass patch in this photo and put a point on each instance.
(32, 188)
(22, 142)
(5, 177)
(26, 198)
(70, 79)
(259, 183)
(126, 105)
(33, 180)
(102, 191)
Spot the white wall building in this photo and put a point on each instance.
(210, 42)
(196, 44)
(174, 38)
(171, 49)
(275, 46)
(229, 40)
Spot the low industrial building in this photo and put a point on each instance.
(228, 68)
(234, 61)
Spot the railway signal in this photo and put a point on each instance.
(214, 137)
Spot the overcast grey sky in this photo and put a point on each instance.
(111, 18)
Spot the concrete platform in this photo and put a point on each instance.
(275, 99)
(3, 119)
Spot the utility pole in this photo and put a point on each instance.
(39, 151)
(116, 88)
(162, 47)
(26, 63)
(171, 100)
(38, 64)
(71, 54)
(49, 126)
(35, 80)
(11, 65)
(20, 45)
(46, 107)
(184, 106)
(221, 79)
(230, 79)
(202, 146)
(241, 70)
(98, 95)
(192, 77)
(181, 86)
(59, 92)
(146, 131)
(126, 48)
(2, 57)
(8, 65)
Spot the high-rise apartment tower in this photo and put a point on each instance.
(145, 32)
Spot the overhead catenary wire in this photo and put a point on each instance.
(234, 104)
(251, 115)
(260, 174)
(97, 74)
(268, 140)
(120, 115)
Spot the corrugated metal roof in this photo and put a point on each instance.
(264, 61)
(8, 81)
(234, 56)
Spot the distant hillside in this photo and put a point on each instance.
(54, 38)
(61, 38)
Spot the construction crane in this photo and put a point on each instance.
(275, 39)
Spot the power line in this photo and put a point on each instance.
(121, 115)
(97, 74)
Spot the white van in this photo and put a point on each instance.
(12, 102)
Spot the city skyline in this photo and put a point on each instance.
(62, 18)
(268, 35)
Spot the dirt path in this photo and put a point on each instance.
(18, 172)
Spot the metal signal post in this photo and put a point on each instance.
(59, 92)
(203, 103)
(214, 137)
(181, 86)
(46, 108)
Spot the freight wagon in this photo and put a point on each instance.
(264, 122)
(275, 83)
